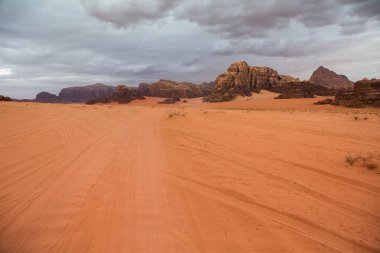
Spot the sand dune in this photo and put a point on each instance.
(254, 176)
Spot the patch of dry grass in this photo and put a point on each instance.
(369, 161)
(177, 113)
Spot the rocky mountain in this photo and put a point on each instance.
(169, 89)
(365, 93)
(78, 94)
(325, 77)
(4, 98)
(242, 79)
(46, 97)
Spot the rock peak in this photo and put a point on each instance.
(328, 78)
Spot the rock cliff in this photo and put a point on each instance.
(169, 89)
(242, 79)
(78, 94)
(365, 93)
(4, 98)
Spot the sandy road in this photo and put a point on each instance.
(79, 178)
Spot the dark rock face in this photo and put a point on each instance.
(78, 94)
(365, 93)
(296, 90)
(46, 97)
(124, 94)
(3, 98)
(314, 88)
(325, 77)
(169, 89)
(85, 93)
(121, 95)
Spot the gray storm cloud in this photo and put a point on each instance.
(48, 45)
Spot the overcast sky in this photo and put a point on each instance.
(51, 44)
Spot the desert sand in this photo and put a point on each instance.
(252, 175)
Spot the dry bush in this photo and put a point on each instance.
(369, 161)
(176, 113)
(357, 117)
(351, 160)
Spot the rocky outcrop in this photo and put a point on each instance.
(288, 79)
(242, 79)
(79, 94)
(121, 95)
(82, 94)
(169, 89)
(296, 90)
(325, 77)
(46, 97)
(365, 93)
(4, 98)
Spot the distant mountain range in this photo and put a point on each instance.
(239, 79)
(78, 94)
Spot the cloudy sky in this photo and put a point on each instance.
(51, 44)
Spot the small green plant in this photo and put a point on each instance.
(176, 113)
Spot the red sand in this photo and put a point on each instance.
(271, 177)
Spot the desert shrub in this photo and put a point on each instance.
(351, 160)
(357, 117)
(176, 113)
(368, 161)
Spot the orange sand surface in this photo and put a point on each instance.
(252, 175)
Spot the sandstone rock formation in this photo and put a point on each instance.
(325, 77)
(288, 79)
(242, 79)
(4, 98)
(79, 94)
(169, 89)
(296, 90)
(82, 94)
(365, 93)
(46, 97)
(121, 95)
(286, 87)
